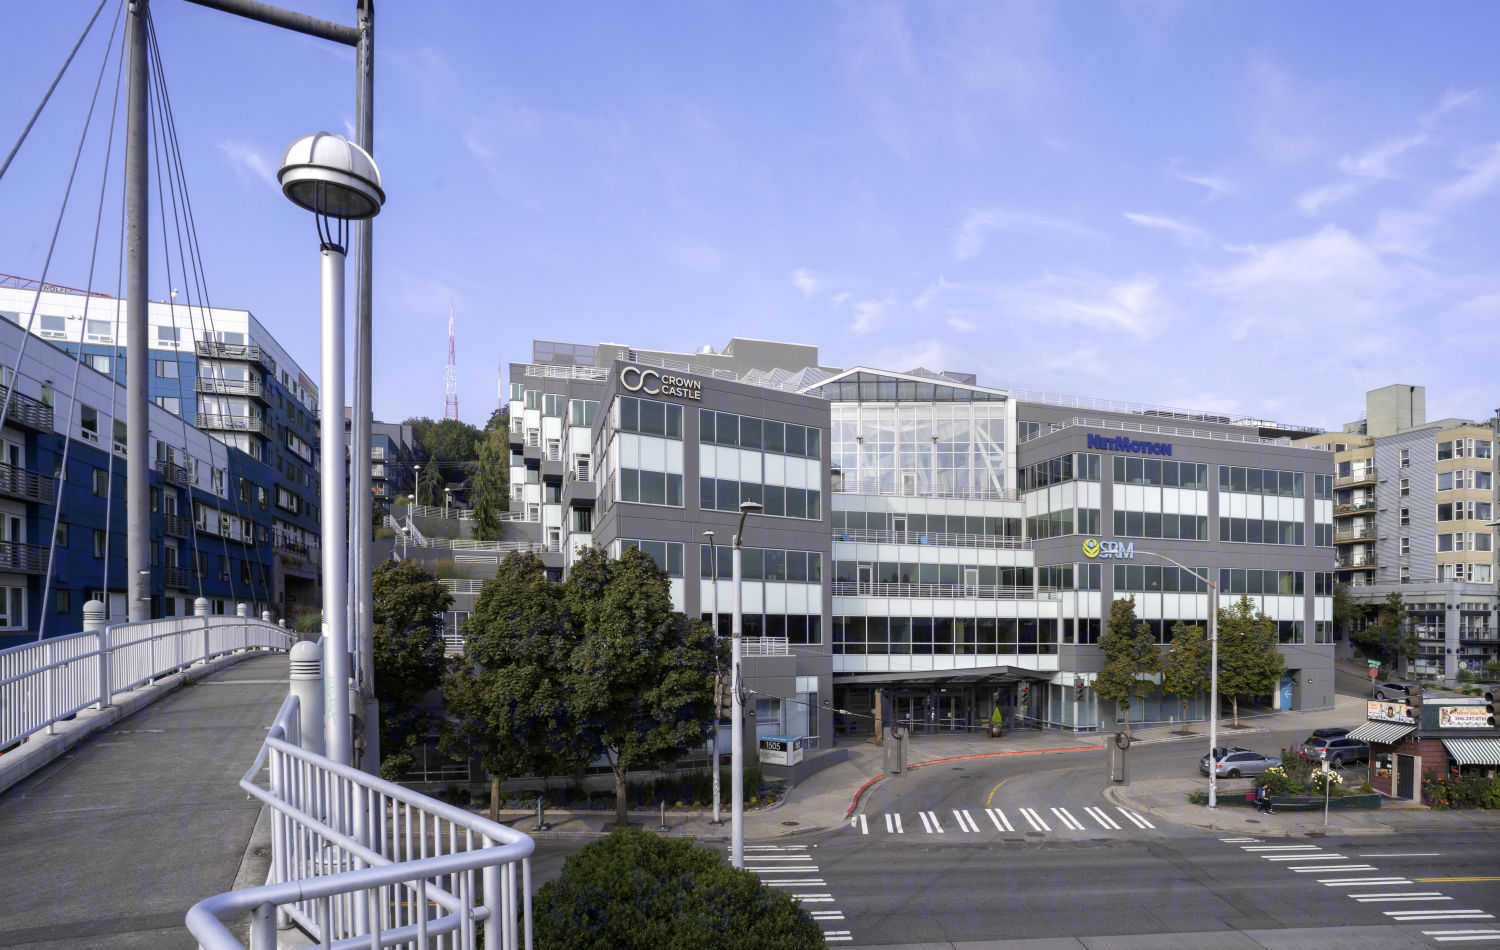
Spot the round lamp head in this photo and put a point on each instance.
(330, 175)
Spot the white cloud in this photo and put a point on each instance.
(839, 299)
(1183, 230)
(1407, 233)
(961, 325)
(249, 162)
(1311, 202)
(867, 316)
(980, 221)
(928, 354)
(803, 280)
(1136, 307)
(1481, 175)
(1216, 185)
(931, 293)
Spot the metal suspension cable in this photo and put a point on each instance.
(192, 261)
(73, 404)
(55, 80)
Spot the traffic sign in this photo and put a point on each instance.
(1374, 664)
(1374, 672)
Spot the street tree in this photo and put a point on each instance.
(1130, 655)
(408, 648)
(1249, 663)
(489, 485)
(430, 485)
(509, 698)
(1387, 639)
(1185, 667)
(643, 686)
(449, 439)
(1348, 613)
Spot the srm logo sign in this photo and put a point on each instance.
(1121, 550)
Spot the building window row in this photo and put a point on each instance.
(1261, 481)
(1050, 525)
(942, 636)
(642, 487)
(581, 412)
(724, 494)
(1464, 541)
(1236, 581)
(1159, 472)
(1322, 487)
(1083, 466)
(798, 629)
(947, 575)
(1464, 511)
(649, 417)
(1463, 448)
(749, 432)
(762, 564)
(1151, 524)
(846, 522)
(1463, 478)
(1164, 578)
(666, 554)
(1258, 531)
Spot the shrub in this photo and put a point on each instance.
(1470, 791)
(308, 621)
(1276, 780)
(635, 890)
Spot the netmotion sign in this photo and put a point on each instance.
(1106, 443)
(654, 383)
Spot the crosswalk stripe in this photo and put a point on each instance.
(1324, 868)
(1473, 914)
(1361, 881)
(864, 826)
(1238, 840)
(1303, 857)
(775, 847)
(937, 825)
(965, 821)
(827, 914)
(799, 869)
(1067, 818)
(1140, 820)
(1037, 824)
(1098, 815)
(899, 830)
(998, 817)
(1380, 898)
(1282, 847)
(811, 882)
(778, 857)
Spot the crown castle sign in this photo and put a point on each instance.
(654, 383)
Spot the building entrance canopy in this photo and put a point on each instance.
(1384, 733)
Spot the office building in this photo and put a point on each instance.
(1414, 501)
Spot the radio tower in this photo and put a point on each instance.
(450, 375)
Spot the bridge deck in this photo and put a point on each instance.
(111, 844)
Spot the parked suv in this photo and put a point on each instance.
(1396, 690)
(1233, 761)
(1328, 733)
(1340, 749)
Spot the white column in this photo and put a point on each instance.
(336, 733)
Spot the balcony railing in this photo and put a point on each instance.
(229, 387)
(172, 473)
(1354, 534)
(1366, 563)
(1352, 507)
(850, 486)
(299, 548)
(177, 525)
(16, 482)
(1359, 476)
(25, 411)
(212, 421)
(178, 577)
(765, 646)
(17, 557)
(213, 349)
(935, 539)
(943, 591)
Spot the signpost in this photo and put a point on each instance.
(1374, 669)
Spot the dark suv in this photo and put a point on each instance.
(1340, 749)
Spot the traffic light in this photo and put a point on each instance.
(1414, 702)
(1025, 692)
(1492, 703)
(1078, 686)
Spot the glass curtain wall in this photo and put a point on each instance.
(946, 450)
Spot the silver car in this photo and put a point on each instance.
(1233, 761)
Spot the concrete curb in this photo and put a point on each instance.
(41, 749)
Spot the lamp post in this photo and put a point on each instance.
(1213, 672)
(416, 484)
(713, 567)
(737, 707)
(338, 182)
(447, 497)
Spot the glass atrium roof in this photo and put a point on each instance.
(863, 385)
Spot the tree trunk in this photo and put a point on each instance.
(495, 798)
(622, 814)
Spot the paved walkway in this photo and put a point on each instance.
(111, 844)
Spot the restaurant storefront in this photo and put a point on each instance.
(1446, 739)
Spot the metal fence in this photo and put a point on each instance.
(359, 861)
(43, 682)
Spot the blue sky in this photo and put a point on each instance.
(1260, 208)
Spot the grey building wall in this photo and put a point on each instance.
(1390, 409)
(1421, 504)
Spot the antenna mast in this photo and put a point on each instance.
(450, 376)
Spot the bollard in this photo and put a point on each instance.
(93, 622)
(242, 610)
(307, 686)
(265, 615)
(541, 815)
(663, 828)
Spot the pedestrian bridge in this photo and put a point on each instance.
(153, 793)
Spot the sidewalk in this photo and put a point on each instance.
(827, 799)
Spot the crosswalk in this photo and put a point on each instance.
(790, 869)
(1040, 820)
(1367, 884)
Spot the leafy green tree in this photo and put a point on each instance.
(510, 698)
(448, 439)
(430, 487)
(637, 891)
(408, 647)
(1130, 654)
(1388, 639)
(489, 485)
(1249, 663)
(499, 421)
(1185, 667)
(1348, 613)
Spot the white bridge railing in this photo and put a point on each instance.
(359, 861)
(50, 680)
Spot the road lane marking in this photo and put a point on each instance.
(827, 914)
(991, 799)
(1362, 881)
(1452, 936)
(1406, 854)
(810, 882)
(1414, 896)
(926, 825)
(1319, 868)
(775, 847)
(1285, 847)
(899, 830)
(1067, 818)
(1472, 913)
(778, 857)
(1452, 880)
(998, 817)
(814, 898)
(1037, 824)
(1303, 857)
(1098, 815)
(965, 821)
(864, 826)
(1139, 820)
(1238, 840)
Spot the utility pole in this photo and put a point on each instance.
(137, 273)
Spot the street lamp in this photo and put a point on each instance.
(338, 182)
(416, 484)
(737, 707)
(713, 561)
(1213, 673)
(447, 497)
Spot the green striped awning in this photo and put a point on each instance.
(1474, 751)
(1385, 733)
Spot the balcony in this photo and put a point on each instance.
(27, 485)
(1354, 507)
(19, 558)
(28, 412)
(176, 525)
(1365, 563)
(230, 387)
(250, 353)
(1359, 476)
(178, 577)
(211, 422)
(942, 591)
(937, 539)
(1348, 535)
(300, 549)
(171, 473)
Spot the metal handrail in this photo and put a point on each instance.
(1356, 477)
(359, 861)
(228, 387)
(210, 420)
(852, 486)
(18, 482)
(935, 539)
(765, 646)
(437, 511)
(1145, 409)
(50, 680)
(943, 591)
(24, 410)
(21, 558)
